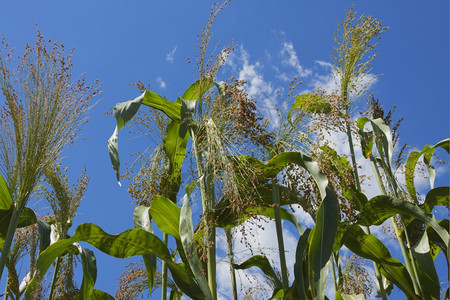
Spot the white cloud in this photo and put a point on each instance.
(161, 83)
(258, 88)
(170, 57)
(290, 58)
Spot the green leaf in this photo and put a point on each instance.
(26, 218)
(89, 264)
(436, 242)
(101, 295)
(5, 197)
(380, 208)
(44, 235)
(125, 111)
(370, 247)
(411, 163)
(171, 109)
(301, 281)
(187, 239)
(321, 243)
(429, 279)
(197, 89)
(311, 103)
(166, 215)
(343, 296)
(436, 197)
(275, 165)
(228, 219)
(113, 150)
(141, 219)
(129, 243)
(263, 263)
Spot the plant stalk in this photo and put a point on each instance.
(164, 272)
(279, 228)
(358, 186)
(207, 194)
(54, 278)
(230, 259)
(412, 271)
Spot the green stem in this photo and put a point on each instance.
(9, 238)
(412, 271)
(54, 278)
(230, 259)
(358, 186)
(333, 273)
(279, 228)
(164, 272)
(207, 194)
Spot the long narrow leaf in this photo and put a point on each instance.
(5, 196)
(301, 252)
(187, 239)
(129, 243)
(411, 163)
(263, 263)
(89, 264)
(370, 247)
(321, 243)
(166, 215)
(141, 219)
(380, 208)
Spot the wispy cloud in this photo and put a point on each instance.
(170, 57)
(257, 87)
(290, 58)
(161, 82)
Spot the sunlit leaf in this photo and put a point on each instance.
(187, 239)
(263, 263)
(321, 241)
(429, 279)
(141, 219)
(89, 264)
(198, 88)
(5, 196)
(171, 109)
(166, 215)
(310, 103)
(412, 160)
(129, 243)
(380, 208)
(370, 247)
(302, 281)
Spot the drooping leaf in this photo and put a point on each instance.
(129, 243)
(301, 281)
(197, 89)
(44, 235)
(380, 208)
(101, 295)
(113, 150)
(141, 219)
(310, 103)
(429, 279)
(89, 264)
(171, 109)
(436, 243)
(370, 247)
(321, 243)
(263, 263)
(231, 220)
(5, 197)
(411, 163)
(383, 138)
(166, 215)
(271, 168)
(435, 197)
(186, 230)
(125, 111)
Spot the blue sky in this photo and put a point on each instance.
(121, 42)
